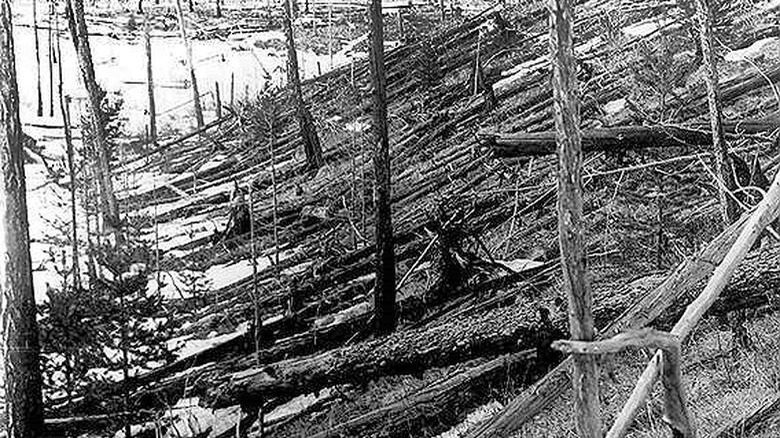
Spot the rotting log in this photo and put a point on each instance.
(615, 139)
(406, 352)
(439, 404)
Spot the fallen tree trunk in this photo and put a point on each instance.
(406, 352)
(442, 401)
(614, 139)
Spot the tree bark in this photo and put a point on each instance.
(723, 165)
(80, 36)
(571, 227)
(311, 141)
(621, 138)
(19, 344)
(190, 64)
(150, 84)
(384, 291)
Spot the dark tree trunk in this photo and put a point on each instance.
(384, 291)
(571, 227)
(19, 334)
(150, 84)
(219, 8)
(311, 141)
(78, 31)
(37, 56)
(723, 166)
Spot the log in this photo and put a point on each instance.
(407, 352)
(439, 404)
(765, 213)
(614, 139)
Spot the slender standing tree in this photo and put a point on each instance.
(384, 291)
(150, 83)
(19, 344)
(571, 226)
(311, 141)
(190, 64)
(723, 165)
(37, 55)
(78, 30)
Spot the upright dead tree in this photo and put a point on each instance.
(150, 84)
(37, 56)
(311, 141)
(102, 162)
(19, 345)
(384, 291)
(571, 226)
(190, 64)
(722, 163)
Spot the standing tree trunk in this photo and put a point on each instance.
(19, 343)
(190, 64)
(219, 8)
(51, 59)
(384, 290)
(37, 55)
(150, 84)
(65, 110)
(78, 31)
(722, 163)
(311, 141)
(571, 227)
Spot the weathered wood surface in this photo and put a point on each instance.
(616, 139)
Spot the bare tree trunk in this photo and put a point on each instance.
(37, 56)
(217, 100)
(65, 109)
(571, 226)
(150, 83)
(384, 290)
(19, 343)
(50, 60)
(190, 64)
(722, 163)
(219, 8)
(311, 141)
(78, 31)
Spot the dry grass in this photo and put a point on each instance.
(723, 384)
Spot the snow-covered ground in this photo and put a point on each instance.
(120, 66)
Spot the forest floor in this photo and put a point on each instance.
(647, 211)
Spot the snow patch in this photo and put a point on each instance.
(754, 50)
(645, 28)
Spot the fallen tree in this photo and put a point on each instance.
(615, 139)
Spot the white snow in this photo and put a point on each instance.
(645, 28)
(185, 346)
(520, 265)
(481, 414)
(752, 51)
(297, 404)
